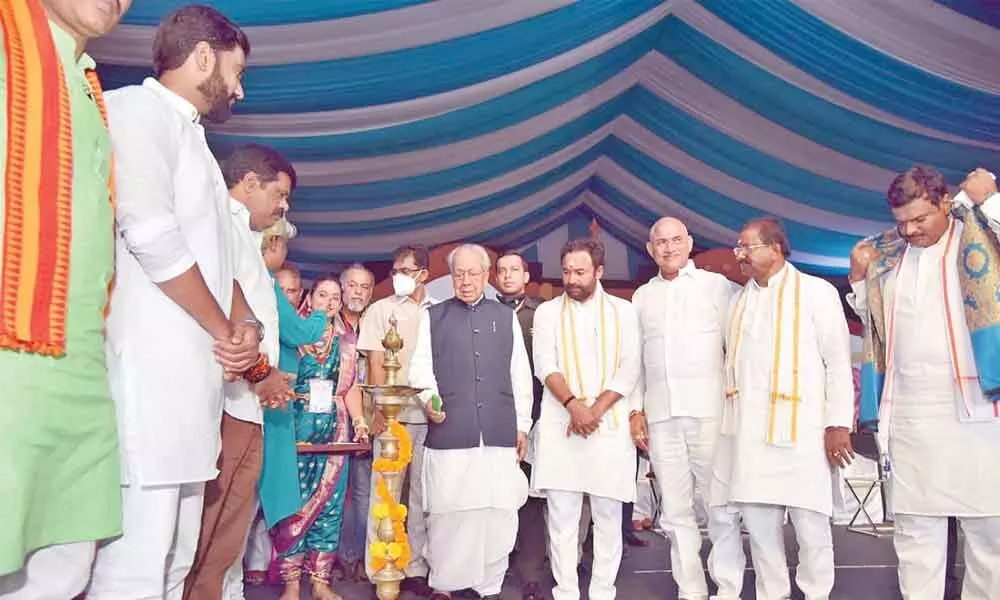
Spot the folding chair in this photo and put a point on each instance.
(866, 444)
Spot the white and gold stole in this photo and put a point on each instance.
(572, 369)
(785, 396)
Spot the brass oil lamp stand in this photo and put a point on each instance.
(390, 399)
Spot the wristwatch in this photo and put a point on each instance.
(260, 327)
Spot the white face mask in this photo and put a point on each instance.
(403, 285)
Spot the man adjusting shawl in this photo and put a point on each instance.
(928, 295)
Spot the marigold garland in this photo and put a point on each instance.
(387, 465)
(398, 550)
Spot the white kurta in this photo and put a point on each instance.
(172, 212)
(258, 288)
(604, 463)
(683, 324)
(942, 465)
(797, 475)
(472, 495)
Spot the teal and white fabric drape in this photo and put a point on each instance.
(509, 122)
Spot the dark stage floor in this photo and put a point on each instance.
(866, 570)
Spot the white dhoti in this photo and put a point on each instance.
(150, 561)
(472, 500)
(469, 549)
(52, 573)
(258, 553)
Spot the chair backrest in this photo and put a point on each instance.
(865, 444)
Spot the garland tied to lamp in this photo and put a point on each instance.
(398, 550)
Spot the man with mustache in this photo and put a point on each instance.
(59, 482)
(356, 285)
(927, 293)
(682, 314)
(788, 411)
(587, 353)
(260, 183)
(179, 322)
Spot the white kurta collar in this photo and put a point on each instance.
(183, 105)
(772, 280)
(688, 270)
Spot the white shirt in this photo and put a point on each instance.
(172, 213)
(604, 463)
(375, 324)
(258, 288)
(683, 323)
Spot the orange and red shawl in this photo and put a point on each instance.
(38, 191)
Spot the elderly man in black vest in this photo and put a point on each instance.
(471, 359)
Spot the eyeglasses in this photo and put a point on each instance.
(738, 250)
(462, 275)
(408, 271)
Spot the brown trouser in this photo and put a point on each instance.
(230, 502)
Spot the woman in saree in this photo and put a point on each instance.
(327, 402)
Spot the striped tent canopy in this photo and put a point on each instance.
(521, 123)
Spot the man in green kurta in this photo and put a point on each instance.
(59, 465)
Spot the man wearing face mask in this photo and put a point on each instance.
(682, 313)
(926, 292)
(788, 411)
(408, 303)
(179, 324)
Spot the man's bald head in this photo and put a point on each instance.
(669, 245)
(668, 227)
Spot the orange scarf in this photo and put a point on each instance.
(38, 192)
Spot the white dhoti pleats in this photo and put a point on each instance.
(815, 573)
(53, 573)
(470, 549)
(150, 561)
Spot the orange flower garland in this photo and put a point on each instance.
(386, 465)
(398, 550)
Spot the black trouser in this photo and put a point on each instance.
(530, 557)
(952, 582)
(629, 507)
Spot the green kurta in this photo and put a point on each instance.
(59, 473)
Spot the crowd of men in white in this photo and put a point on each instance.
(743, 397)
